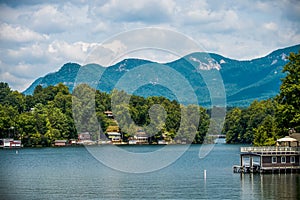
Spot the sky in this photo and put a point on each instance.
(38, 37)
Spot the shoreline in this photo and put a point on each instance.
(96, 145)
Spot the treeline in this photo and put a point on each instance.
(262, 123)
(53, 113)
(255, 124)
(36, 119)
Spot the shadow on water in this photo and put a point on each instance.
(270, 186)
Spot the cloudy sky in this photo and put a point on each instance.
(38, 37)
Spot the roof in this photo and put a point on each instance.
(84, 133)
(287, 139)
(60, 140)
(296, 136)
(114, 133)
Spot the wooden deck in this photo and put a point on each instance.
(271, 150)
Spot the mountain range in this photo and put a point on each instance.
(244, 81)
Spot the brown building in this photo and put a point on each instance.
(284, 157)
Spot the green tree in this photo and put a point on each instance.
(84, 112)
(266, 133)
(123, 117)
(40, 114)
(8, 115)
(232, 126)
(253, 116)
(288, 113)
(188, 124)
(4, 91)
(204, 123)
(57, 125)
(26, 124)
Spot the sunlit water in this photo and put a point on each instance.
(73, 173)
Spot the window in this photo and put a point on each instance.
(292, 159)
(283, 159)
(274, 159)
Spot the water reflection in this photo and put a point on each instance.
(270, 186)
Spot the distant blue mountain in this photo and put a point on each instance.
(244, 81)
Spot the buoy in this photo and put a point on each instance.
(204, 174)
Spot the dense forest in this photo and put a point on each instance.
(54, 113)
(262, 123)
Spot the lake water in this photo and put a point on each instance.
(73, 173)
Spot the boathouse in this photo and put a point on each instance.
(10, 143)
(141, 137)
(284, 157)
(60, 143)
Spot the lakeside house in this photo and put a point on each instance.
(60, 143)
(85, 139)
(284, 157)
(114, 136)
(109, 114)
(141, 137)
(10, 143)
(84, 136)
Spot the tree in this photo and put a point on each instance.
(8, 115)
(288, 113)
(17, 100)
(266, 133)
(245, 126)
(40, 114)
(12, 98)
(189, 123)
(57, 125)
(4, 91)
(232, 127)
(84, 113)
(253, 116)
(26, 124)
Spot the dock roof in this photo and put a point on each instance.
(296, 136)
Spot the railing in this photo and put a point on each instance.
(270, 149)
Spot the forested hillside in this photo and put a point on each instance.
(48, 114)
(263, 122)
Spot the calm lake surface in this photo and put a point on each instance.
(73, 173)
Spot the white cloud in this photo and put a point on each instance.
(271, 26)
(38, 37)
(33, 53)
(74, 52)
(147, 11)
(18, 33)
(56, 21)
(16, 82)
(115, 46)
